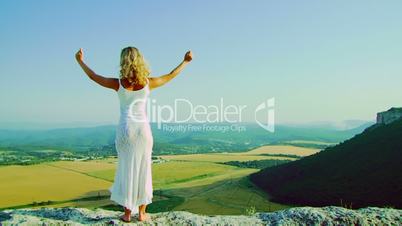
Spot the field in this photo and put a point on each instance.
(221, 157)
(280, 149)
(26, 184)
(199, 180)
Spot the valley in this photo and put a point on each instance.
(199, 183)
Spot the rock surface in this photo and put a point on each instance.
(387, 117)
(330, 215)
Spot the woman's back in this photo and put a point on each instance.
(133, 104)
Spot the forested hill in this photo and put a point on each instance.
(362, 171)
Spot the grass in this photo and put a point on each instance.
(232, 196)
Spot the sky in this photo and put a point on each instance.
(320, 60)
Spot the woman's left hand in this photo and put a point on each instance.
(188, 57)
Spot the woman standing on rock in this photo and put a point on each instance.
(132, 187)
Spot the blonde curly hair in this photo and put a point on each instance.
(133, 66)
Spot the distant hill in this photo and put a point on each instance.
(339, 125)
(166, 142)
(362, 171)
(79, 138)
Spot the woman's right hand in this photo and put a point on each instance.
(188, 57)
(79, 56)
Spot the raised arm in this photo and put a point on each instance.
(111, 83)
(155, 82)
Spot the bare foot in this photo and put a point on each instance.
(125, 218)
(143, 217)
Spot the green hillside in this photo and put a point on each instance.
(362, 171)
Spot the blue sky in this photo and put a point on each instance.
(321, 60)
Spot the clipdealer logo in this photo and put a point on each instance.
(184, 111)
(266, 107)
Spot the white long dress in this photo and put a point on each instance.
(132, 184)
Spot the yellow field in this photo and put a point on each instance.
(85, 166)
(65, 180)
(25, 184)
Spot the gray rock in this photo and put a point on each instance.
(330, 215)
(333, 215)
(387, 117)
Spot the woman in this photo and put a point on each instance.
(132, 187)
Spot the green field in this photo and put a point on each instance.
(197, 183)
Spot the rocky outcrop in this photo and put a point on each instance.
(387, 117)
(330, 215)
